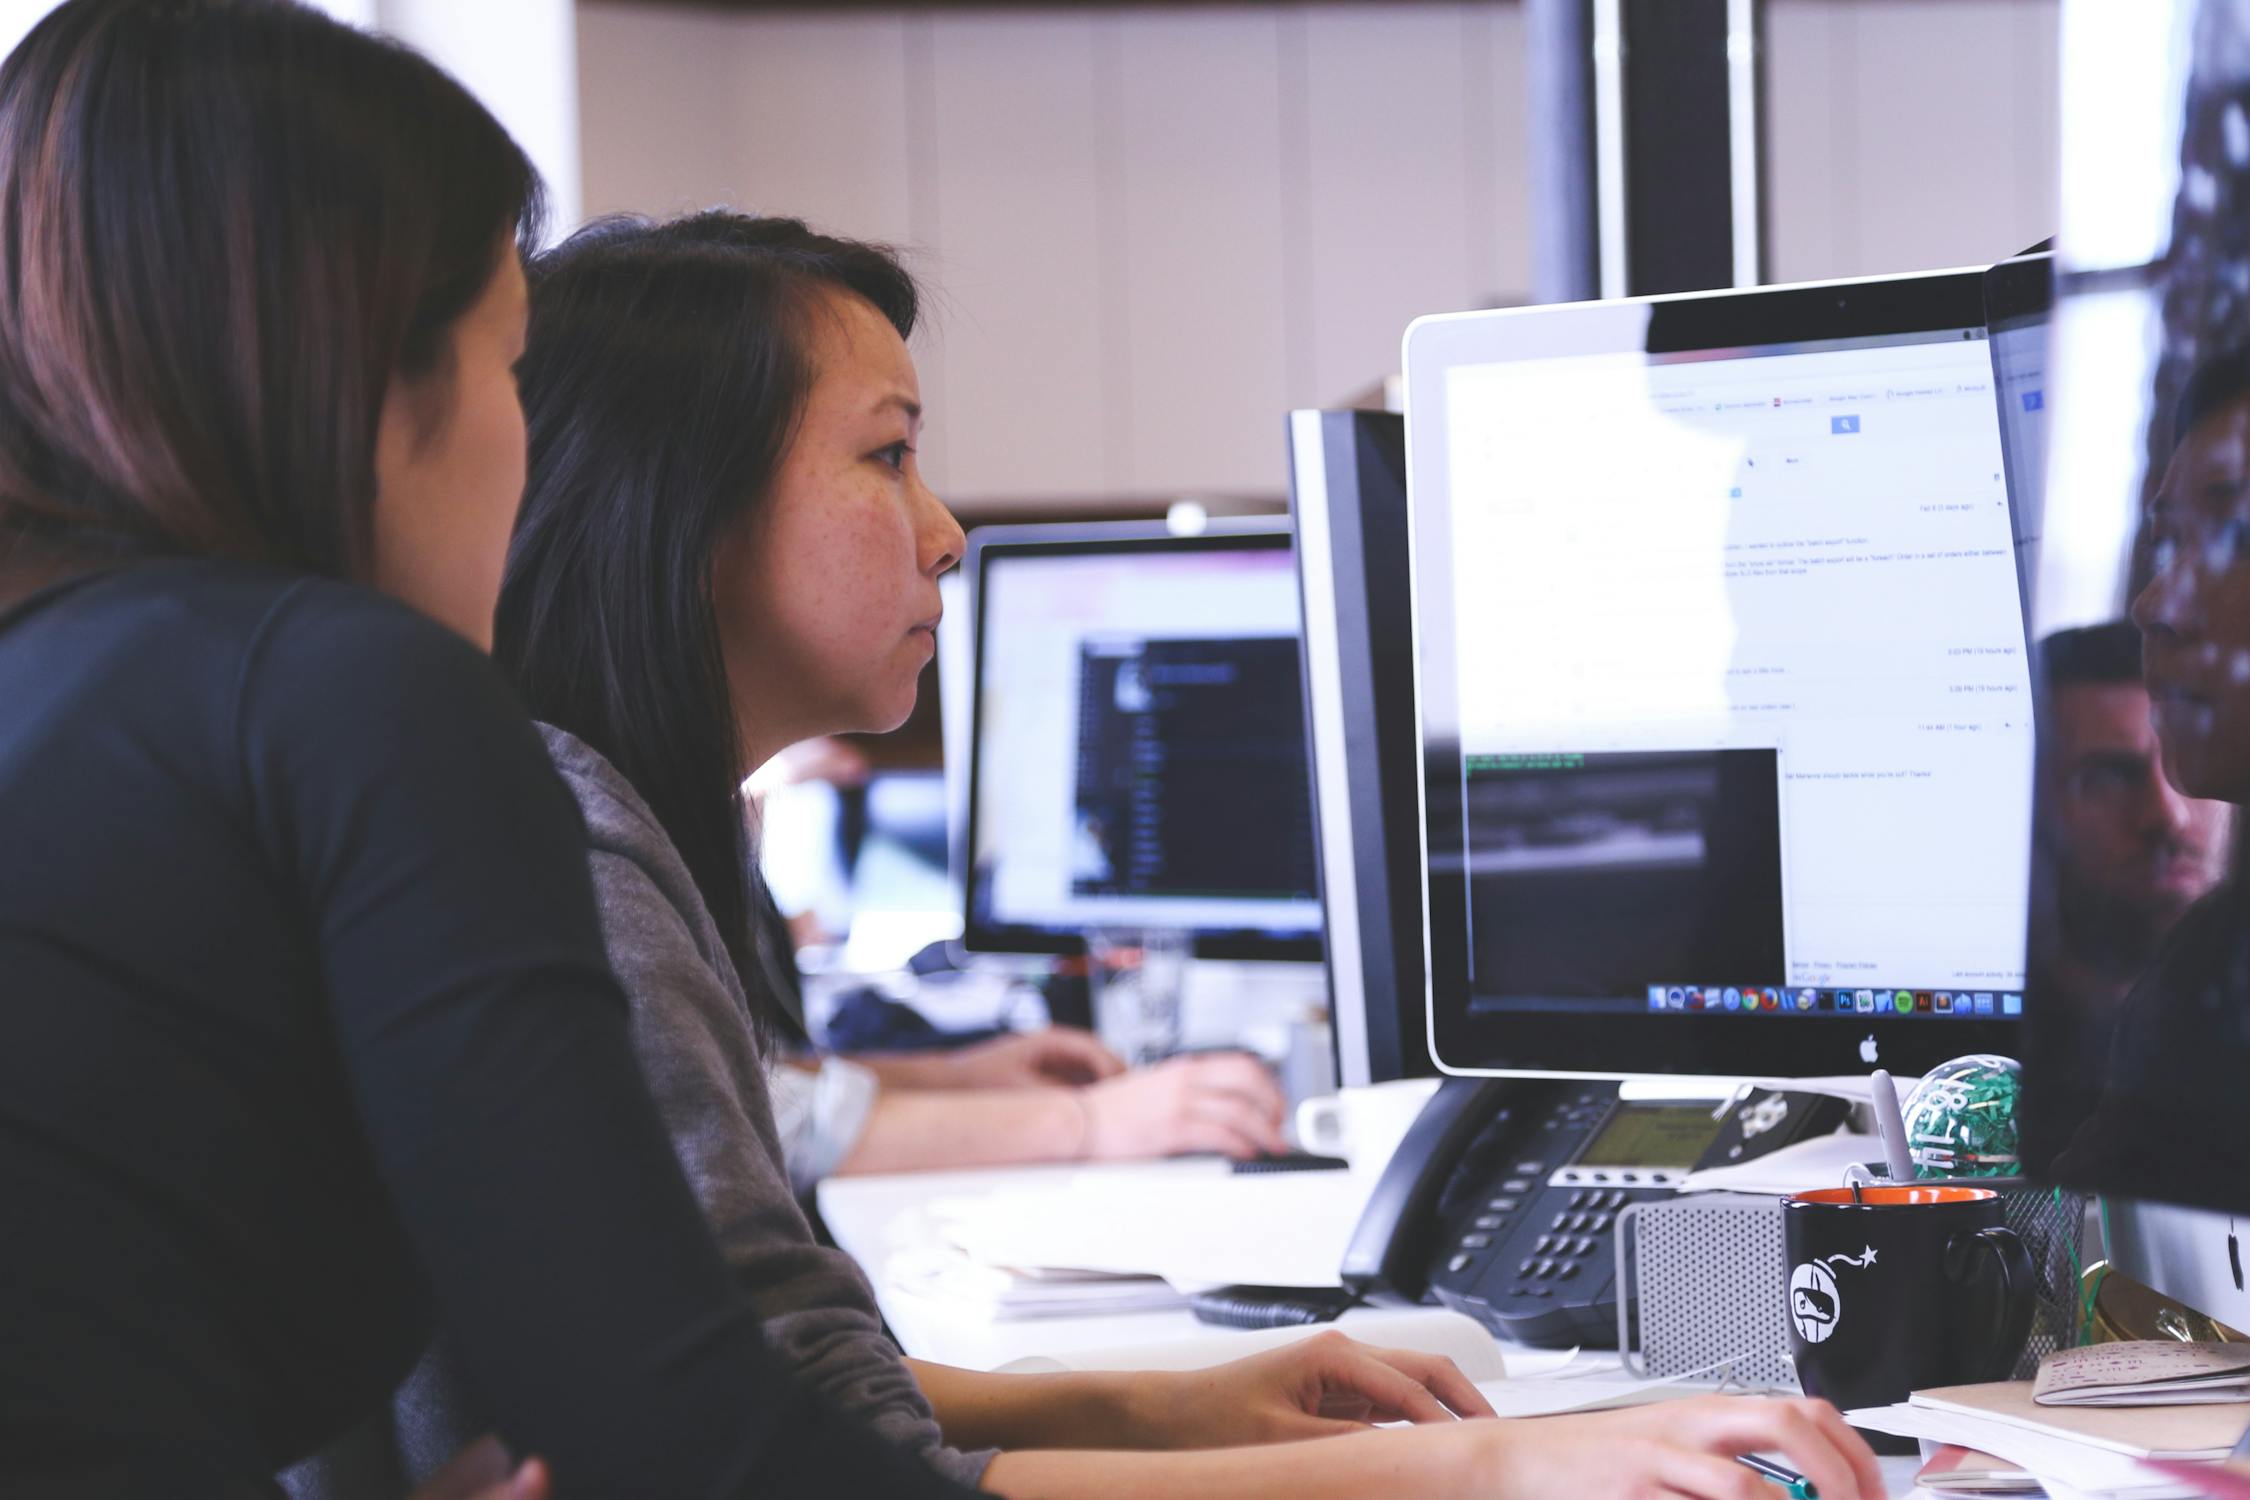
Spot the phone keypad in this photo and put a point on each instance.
(1529, 1230)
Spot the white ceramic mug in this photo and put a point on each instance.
(1362, 1125)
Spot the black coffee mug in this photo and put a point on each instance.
(1899, 1289)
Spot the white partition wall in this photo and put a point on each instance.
(1152, 229)
(521, 58)
(18, 17)
(1149, 230)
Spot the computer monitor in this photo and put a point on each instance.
(2139, 1043)
(1347, 496)
(1725, 707)
(1137, 755)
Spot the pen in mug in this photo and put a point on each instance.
(1799, 1487)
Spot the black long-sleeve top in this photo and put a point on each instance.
(306, 1040)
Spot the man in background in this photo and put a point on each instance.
(2124, 853)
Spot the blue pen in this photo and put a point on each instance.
(1799, 1487)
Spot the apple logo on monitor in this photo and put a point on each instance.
(1867, 1051)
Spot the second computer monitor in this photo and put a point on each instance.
(1347, 487)
(1138, 746)
(1727, 717)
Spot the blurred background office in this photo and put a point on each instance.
(1152, 229)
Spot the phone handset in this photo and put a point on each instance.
(1463, 1135)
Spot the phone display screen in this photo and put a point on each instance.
(1651, 1135)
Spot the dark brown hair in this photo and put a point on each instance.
(225, 225)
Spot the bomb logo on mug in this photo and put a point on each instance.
(1814, 1303)
(1815, 1300)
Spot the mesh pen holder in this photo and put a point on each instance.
(2051, 1223)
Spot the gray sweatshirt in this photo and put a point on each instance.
(705, 1066)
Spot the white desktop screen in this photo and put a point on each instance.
(1802, 552)
(1140, 742)
(1739, 680)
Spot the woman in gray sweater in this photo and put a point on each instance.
(726, 548)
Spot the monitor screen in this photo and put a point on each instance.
(1347, 497)
(1139, 741)
(2139, 1045)
(1727, 714)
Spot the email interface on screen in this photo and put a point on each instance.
(1141, 743)
(1743, 699)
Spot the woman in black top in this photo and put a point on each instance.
(306, 1034)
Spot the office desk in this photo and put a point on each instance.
(865, 1214)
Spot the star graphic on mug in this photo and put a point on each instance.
(1866, 1256)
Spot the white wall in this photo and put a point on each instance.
(518, 56)
(18, 17)
(1909, 134)
(1152, 231)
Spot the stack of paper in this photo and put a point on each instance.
(2193, 1431)
(2075, 1452)
(1820, 1162)
(1287, 1229)
(1005, 1293)
(1954, 1470)
(2147, 1372)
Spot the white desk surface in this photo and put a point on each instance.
(861, 1212)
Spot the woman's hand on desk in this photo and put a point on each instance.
(1317, 1387)
(1222, 1101)
(1675, 1450)
(1684, 1449)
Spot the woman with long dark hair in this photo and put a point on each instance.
(307, 1035)
(726, 548)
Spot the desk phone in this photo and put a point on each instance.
(1501, 1200)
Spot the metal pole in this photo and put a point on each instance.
(1559, 95)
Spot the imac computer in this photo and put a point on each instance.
(1725, 705)
(2137, 1053)
(1347, 488)
(1137, 741)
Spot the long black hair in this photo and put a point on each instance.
(225, 227)
(666, 369)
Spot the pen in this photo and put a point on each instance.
(1799, 1487)
(1897, 1153)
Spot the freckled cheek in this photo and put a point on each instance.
(872, 540)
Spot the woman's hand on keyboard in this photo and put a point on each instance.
(1316, 1387)
(1682, 1450)
(1221, 1101)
